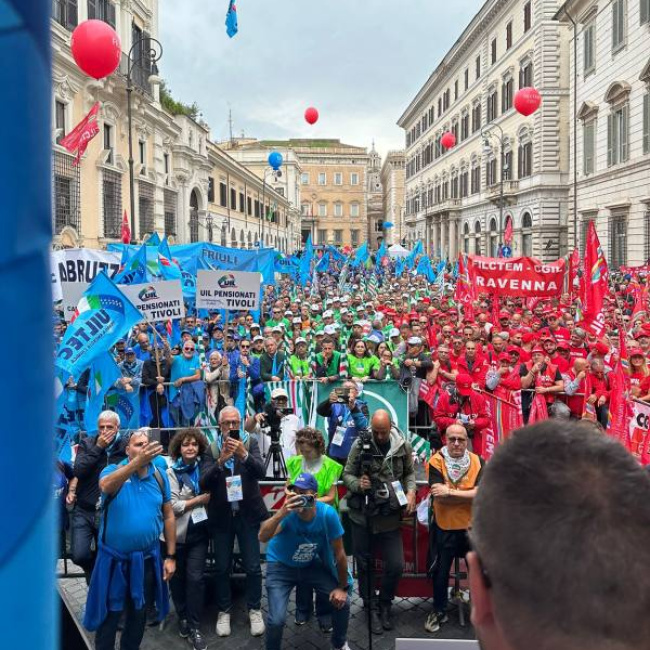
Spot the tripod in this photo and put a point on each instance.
(276, 456)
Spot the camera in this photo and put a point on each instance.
(273, 415)
(306, 501)
(342, 395)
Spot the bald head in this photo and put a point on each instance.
(381, 425)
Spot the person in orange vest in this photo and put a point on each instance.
(454, 475)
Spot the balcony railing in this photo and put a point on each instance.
(139, 74)
(510, 188)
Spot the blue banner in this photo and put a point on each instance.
(104, 372)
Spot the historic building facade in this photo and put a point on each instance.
(503, 164)
(611, 80)
(374, 192)
(175, 163)
(393, 199)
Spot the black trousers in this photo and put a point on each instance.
(135, 621)
(450, 544)
(392, 555)
(188, 584)
(83, 534)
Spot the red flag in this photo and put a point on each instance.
(464, 293)
(538, 409)
(595, 283)
(574, 265)
(507, 235)
(126, 230)
(79, 138)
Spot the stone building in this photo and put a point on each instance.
(393, 198)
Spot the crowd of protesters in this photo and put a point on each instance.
(534, 355)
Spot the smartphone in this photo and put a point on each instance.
(154, 435)
(234, 434)
(306, 501)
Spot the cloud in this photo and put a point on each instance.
(360, 62)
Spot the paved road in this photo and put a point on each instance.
(410, 615)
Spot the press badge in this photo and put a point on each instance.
(339, 436)
(234, 488)
(198, 515)
(399, 493)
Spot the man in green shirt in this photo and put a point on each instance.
(327, 366)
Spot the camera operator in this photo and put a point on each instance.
(277, 422)
(380, 477)
(305, 548)
(346, 416)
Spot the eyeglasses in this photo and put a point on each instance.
(188, 349)
(245, 347)
(229, 422)
(457, 441)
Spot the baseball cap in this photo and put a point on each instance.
(563, 345)
(464, 384)
(414, 340)
(504, 356)
(513, 349)
(279, 392)
(328, 313)
(305, 481)
(636, 352)
(538, 350)
(393, 332)
(258, 338)
(277, 328)
(297, 321)
(253, 325)
(373, 338)
(300, 339)
(129, 351)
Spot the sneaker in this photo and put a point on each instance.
(223, 624)
(375, 622)
(257, 622)
(434, 621)
(386, 617)
(301, 618)
(183, 628)
(325, 625)
(197, 640)
(345, 646)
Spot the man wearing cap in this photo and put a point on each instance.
(299, 364)
(464, 406)
(305, 546)
(577, 344)
(186, 393)
(156, 372)
(413, 373)
(128, 386)
(542, 378)
(557, 331)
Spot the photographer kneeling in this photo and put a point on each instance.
(276, 423)
(306, 547)
(380, 477)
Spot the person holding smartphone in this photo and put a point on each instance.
(305, 546)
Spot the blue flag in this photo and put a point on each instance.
(417, 250)
(361, 255)
(104, 315)
(381, 253)
(104, 372)
(424, 268)
(231, 19)
(305, 261)
(127, 406)
(324, 263)
(135, 270)
(168, 268)
(154, 240)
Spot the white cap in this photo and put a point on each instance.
(328, 313)
(344, 310)
(277, 328)
(256, 325)
(301, 339)
(279, 392)
(414, 340)
(330, 329)
(393, 332)
(373, 338)
(297, 321)
(258, 338)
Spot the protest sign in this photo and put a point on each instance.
(233, 290)
(71, 293)
(639, 426)
(80, 265)
(161, 301)
(519, 276)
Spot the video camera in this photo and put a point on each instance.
(273, 415)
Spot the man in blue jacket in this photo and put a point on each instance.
(346, 416)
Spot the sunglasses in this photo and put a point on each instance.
(457, 441)
(245, 347)
(188, 349)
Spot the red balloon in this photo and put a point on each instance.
(448, 140)
(527, 101)
(311, 115)
(96, 48)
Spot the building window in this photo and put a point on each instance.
(257, 208)
(588, 147)
(478, 66)
(618, 240)
(477, 238)
(166, 168)
(439, 106)
(170, 207)
(305, 210)
(646, 123)
(142, 153)
(249, 206)
(466, 239)
(304, 178)
(509, 35)
(354, 234)
(210, 190)
(526, 75)
(466, 78)
(525, 156)
(338, 237)
(464, 127)
(528, 17)
(241, 202)
(322, 178)
(476, 180)
(322, 236)
(338, 178)
(112, 203)
(492, 105)
(65, 13)
(493, 51)
(618, 25)
(354, 209)
(494, 238)
(65, 181)
(146, 223)
(322, 209)
(223, 195)
(109, 143)
(476, 117)
(507, 91)
(59, 120)
(454, 186)
(338, 209)
(617, 135)
(445, 100)
(233, 198)
(456, 90)
(491, 172)
(102, 10)
(507, 165)
(527, 235)
(589, 48)
(464, 184)
(644, 9)
(354, 178)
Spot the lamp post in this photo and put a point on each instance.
(487, 136)
(153, 56)
(276, 173)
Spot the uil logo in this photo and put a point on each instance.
(148, 293)
(227, 281)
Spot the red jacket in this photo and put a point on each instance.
(447, 411)
(478, 371)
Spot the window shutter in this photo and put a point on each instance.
(624, 132)
(92, 9)
(110, 14)
(645, 11)
(646, 123)
(614, 24)
(610, 148)
(71, 14)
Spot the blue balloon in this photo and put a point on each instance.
(388, 224)
(275, 160)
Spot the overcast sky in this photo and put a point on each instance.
(360, 62)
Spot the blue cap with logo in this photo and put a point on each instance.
(305, 481)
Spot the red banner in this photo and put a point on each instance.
(79, 138)
(520, 276)
(595, 284)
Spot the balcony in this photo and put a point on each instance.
(139, 74)
(448, 205)
(510, 189)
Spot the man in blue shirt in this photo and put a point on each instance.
(306, 546)
(185, 396)
(128, 570)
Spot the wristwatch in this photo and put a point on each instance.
(346, 588)
(169, 556)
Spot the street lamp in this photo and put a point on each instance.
(488, 136)
(276, 173)
(153, 56)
